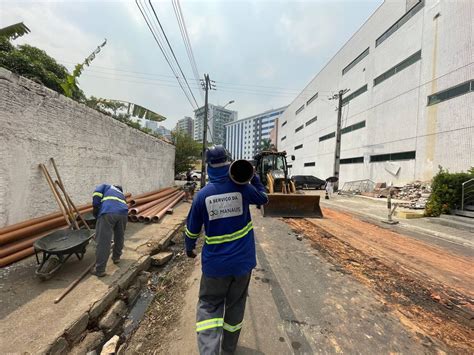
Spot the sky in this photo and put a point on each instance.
(261, 54)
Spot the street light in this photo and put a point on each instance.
(230, 102)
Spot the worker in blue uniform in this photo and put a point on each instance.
(111, 210)
(228, 255)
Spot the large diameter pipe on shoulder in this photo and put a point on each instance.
(139, 201)
(16, 256)
(241, 172)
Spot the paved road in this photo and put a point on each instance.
(299, 303)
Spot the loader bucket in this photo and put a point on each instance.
(292, 205)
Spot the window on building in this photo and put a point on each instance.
(356, 93)
(314, 119)
(299, 110)
(355, 61)
(393, 156)
(311, 163)
(289, 166)
(299, 147)
(454, 91)
(392, 29)
(312, 98)
(283, 138)
(352, 160)
(299, 128)
(353, 127)
(284, 123)
(398, 68)
(327, 136)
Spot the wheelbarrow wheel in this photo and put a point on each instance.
(47, 269)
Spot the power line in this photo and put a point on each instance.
(187, 43)
(148, 22)
(172, 52)
(164, 83)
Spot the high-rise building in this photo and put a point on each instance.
(185, 125)
(158, 129)
(245, 137)
(217, 117)
(409, 108)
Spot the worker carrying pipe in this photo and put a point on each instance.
(228, 255)
(111, 210)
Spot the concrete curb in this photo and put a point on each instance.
(69, 339)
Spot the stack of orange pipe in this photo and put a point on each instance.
(16, 241)
(154, 206)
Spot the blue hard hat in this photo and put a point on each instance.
(217, 156)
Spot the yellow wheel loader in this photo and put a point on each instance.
(284, 200)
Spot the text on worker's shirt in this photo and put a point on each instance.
(224, 205)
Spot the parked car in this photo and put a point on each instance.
(196, 175)
(180, 176)
(308, 182)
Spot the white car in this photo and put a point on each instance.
(196, 175)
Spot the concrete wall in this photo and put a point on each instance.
(89, 148)
(396, 112)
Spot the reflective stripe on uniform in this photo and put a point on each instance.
(189, 234)
(209, 323)
(97, 194)
(113, 198)
(232, 328)
(218, 239)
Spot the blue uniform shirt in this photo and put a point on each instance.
(222, 207)
(110, 200)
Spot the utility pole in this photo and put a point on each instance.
(337, 153)
(207, 84)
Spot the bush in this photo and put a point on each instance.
(446, 191)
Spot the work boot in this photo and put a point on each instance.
(97, 273)
(116, 261)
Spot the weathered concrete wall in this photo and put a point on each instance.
(88, 147)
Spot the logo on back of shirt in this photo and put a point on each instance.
(224, 205)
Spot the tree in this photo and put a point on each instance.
(265, 144)
(34, 64)
(188, 151)
(69, 84)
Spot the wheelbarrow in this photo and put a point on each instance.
(56, 248)
(88, 218)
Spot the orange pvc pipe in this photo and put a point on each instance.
(16, 256)
(21, 244)
(146, 206)
(139, 201)
(160, 215)
(35, 229)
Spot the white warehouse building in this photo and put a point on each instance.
(409, 109)
(245, 136)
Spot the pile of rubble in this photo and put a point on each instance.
(415, 193)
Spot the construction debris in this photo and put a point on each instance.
(416, 194)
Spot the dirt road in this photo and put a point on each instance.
(314, 296)
(430, 288)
